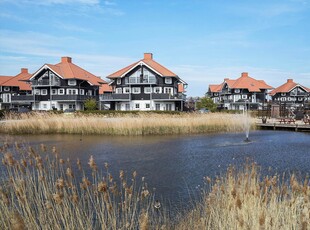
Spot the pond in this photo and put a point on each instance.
(176, 165)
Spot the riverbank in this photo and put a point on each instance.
(137, 124)
(40, 188)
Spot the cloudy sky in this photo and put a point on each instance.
(203, 41)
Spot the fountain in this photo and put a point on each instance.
(246, 123)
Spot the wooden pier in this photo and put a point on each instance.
(298, 127)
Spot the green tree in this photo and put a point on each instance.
(90, 104)
(206, 103)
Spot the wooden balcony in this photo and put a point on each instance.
(45, 82)
(115, 97)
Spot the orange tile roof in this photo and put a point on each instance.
(181, 88)
(105, 88)
(67, 70)
(287, 87)
(147, 60)
(247, 82)
(216, 88)
(20, 80)
(4, 79)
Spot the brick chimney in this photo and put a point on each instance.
(244, 74)
(148, 56)
(24, 70)
(289, 80)
(66, 60)
(225, 79)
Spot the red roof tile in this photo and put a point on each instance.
(4, 79)
(247, 82)
(216, 88)
(287, 87)
(147, 60)
(105, 88)
(67, 70)
(19, 80)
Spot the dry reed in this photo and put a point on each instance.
(141, 124)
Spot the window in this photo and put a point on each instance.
(71, 82)
(61, 91)
(168, 80)
(168, 90)
(44, 92)
(37, 92)
(71, 106)
(127, 107)
(168, 107)
(118, 106)
(44, 106)
(136, 90)
(61, 106)
(6, 89)
(118, 90)
(71, 91)
(147, 90)
(237, 90)
(215, 94)
(157, 90)
(147, 105)
(244, 97)
(157, 106)
(82, 92)
(119, 81)
(54, 91)
(283, 94)
(137, 106)
(90, 92)
(126, 90)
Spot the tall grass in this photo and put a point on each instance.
(40, 190)
(141, 124)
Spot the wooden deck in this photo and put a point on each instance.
(298, 127)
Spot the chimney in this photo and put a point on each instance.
(24, 70)
(225, 79)
(289, 80)
(148, 56)
(66, 60)
(244, 74)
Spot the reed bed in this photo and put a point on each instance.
(141, 124)
(40, 190)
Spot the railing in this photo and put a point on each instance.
(23, 97)
(45, 82)
(71, 97)
(167, 96)
(114, 97)
(138, 80)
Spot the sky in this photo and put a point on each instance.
(202, 41)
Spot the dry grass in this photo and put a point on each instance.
(141, 124)
(243, 199)
(39, 190)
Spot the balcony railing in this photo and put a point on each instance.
(32, 98)
(138, 80)
(46, 82)
(24, 98)
(167, 96)
(115, 97)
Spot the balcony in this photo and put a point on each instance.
(31, 98)
(115, 97)
(151, 80)
(167, 96)
(46, 82)
(71, 97)
(23, 98)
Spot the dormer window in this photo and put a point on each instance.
(6, 88)
(71, 82)
(118, 81)
(168, 80)
(283, 94)
(237, 90)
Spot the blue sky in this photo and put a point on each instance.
(201, 41)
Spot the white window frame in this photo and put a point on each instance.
(37, 92)
(136, 90)
(168, 80)
(72, 91)
(166, 89)
(244, 96)
(283, 94)
(44, 106)
(126, 90)
(147, 92)
(118, 81)
(147, 105)
(54, 92)
(82, 91)
(237, 90)
(157, 88)
(61, 91)
(90, 92)
(43, 91)
(6, 88)
(71, 82)
(137, 105)
(119, 90)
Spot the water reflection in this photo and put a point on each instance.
(176, 164)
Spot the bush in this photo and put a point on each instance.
(90, 104)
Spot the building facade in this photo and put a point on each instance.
(243, 92)
(291, 93)
(12, 86)
(64, 86)
(145, 85)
